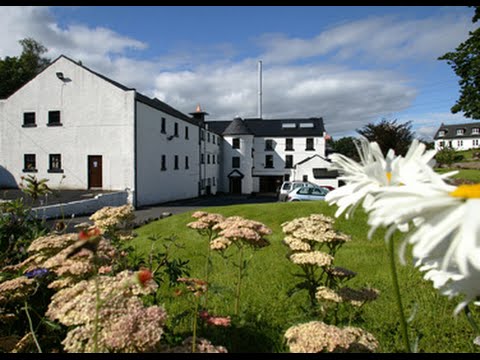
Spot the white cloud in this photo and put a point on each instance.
(346, 96)
(375, 39)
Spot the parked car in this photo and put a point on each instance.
(307, 193)
(288, 186)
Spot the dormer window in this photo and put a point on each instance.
(460, 131)
(475, 131)
(441, 133)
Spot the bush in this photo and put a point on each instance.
(446, 157)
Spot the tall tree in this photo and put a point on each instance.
(17, 71)
(389, 135)
(465, 61)
(346, 146)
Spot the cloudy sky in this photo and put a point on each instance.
(350, 65)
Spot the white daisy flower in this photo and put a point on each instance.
(447, 241)
(374, 172)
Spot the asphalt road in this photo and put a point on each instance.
(144, 214)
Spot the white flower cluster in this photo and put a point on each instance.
(401, 191)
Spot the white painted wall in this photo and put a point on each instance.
(307, 169)
(279, 154)
(81, 207)
(153, 184)
(97, 119)
(210, 170)
(458, 144)
(246, 161)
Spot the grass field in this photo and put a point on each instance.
(267, 310)
(472, 175)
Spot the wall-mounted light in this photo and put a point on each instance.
(60, 76)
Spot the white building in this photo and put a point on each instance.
(458, 136)
(82, 130)
(259, 154)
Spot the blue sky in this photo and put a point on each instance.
(352, 65)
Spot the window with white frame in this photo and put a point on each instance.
(460, 142)
(441, 133)
(460, 131)
(475, 131)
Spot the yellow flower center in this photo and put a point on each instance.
(467, 191)
(389, 176)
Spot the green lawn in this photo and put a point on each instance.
(466, 174)
(268, 310)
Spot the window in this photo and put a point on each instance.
(309, 144)
(218, 141)
(287, 177)
(475, 142)
(306, 125)
(186, 132)
(268, 145)
(236, 143)
(289, 126)
(305, 178)
(209, 182)
(460, 142)
(202, 135)
(441, 133)
(202, 158)
(460, 131)
(175, 130)
(208, 158)
(289, 161)
(214, 182)
(55, 165)
(475, 131)
(54, 118)
(29, 163)
(442, 144)
(162, 129)
(29, 119)
(176, 162)
(213, 158)
(164, 163)
(235, 162)
(208, 137)
(289, 144)
(269, 161)
(213, 139)
(186, 162)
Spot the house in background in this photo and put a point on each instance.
(458, 136)
(82, 130)
(259, 154)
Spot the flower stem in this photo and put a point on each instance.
(97, 311)
(195, 315)
(396, 288)
(207, 267)
(239, 282)
(472, 322)
(30, 324)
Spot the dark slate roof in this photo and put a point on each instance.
(273, 128)
(237, 127)
(160, 105)
(451, 131)
(310, 158)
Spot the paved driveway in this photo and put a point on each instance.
(177, 207)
